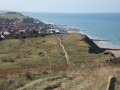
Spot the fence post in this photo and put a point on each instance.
(111, 83)
(54, 69)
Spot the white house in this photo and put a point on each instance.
(2, 36)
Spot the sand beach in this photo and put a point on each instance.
(115, 50)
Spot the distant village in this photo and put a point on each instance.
(13, 27)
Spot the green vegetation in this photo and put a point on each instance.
(12, 16)
(3, 55)
(34, 61)
(8, 46)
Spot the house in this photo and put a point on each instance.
(57, 31)
(39, 32)
(1, 33)
(49, 31)
(2, 36)
(53, 31)
(22, 31)
(55, 27)
(6, 34)
(63, 31)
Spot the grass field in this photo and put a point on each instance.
(11, 16)
(23, 61)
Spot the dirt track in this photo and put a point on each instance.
(66, 55)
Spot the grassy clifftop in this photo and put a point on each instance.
(11, 15)
(25, 60)
(47, 50)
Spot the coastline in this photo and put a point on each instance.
(98, 43)
(115, 50)
(73, 29)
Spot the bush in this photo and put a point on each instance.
(11, 60)
(18, 56)
(1, 39)
(10, 45)
(8, 60)
(3, 86)
(45, 73)
(4, 59)
(53, 86)
(28, 76)
(23, 40)
(25, 64)
(43, 41)
(24, 56)
(40, 53)
(64, 75)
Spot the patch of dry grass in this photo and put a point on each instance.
(28, 56)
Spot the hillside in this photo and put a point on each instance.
(64, 59)
(2, 11)
(12, 15)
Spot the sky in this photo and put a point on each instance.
(65, 6)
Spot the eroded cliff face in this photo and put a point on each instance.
(93, 48)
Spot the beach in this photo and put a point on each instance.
(95, 25)
(115, 50)
(104, 26)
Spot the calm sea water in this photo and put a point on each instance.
(99, 26)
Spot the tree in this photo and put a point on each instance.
(1, 39)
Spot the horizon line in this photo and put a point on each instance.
(51, 12)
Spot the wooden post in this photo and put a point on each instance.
(54, 69)
(111, 83)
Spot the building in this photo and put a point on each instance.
(6, 34)
(63, 31)
(2, 36)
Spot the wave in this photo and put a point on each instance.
(97, 38)
(47, 22)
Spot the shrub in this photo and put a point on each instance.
(4, 59)
(43, 41)
(10, 45)
(8, 60)
(37, 43)
(25, 64)
(64, 75)
(23, 40)
(18, 56)
(45, 73)
(28, 76)
(29, 53)
(3, 86)
(25, 57)
(11, 60)
(40, 53)
(53, 86)
(1, 39)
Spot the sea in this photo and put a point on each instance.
(103, 26)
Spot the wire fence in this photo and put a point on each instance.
(117, 86)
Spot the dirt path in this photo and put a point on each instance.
(32, 83)
(66, 55)
(44, 52)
